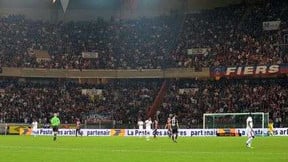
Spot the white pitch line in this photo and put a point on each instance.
(139, 151)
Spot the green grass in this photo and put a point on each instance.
(135, 149)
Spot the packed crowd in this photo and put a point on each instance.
(136, 44)
(120, 101)
(227, 96)
(125, 101)
(232, 36)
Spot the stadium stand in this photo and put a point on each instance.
(126, 100)
(228, 36)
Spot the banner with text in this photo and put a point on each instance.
(160, 132)
(258, 70)
(90, 55)
(271, 25)
(72, 132)
(197, 51)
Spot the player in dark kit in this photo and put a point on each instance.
(78, 127)
(175, 126)
(155, 124)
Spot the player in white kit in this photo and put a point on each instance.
(148, 124)
(140, 124)
(250, 132)
(34, 127)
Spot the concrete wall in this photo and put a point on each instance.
(34, 9)
(150, 8)
(91, 9)
(209, 4)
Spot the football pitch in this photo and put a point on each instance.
(135, 149)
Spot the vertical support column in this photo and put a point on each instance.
(204, 116)
(54, 13)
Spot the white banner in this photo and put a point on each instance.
(181, 132)
(260, 131)
(161, 132)
(90, 55)
(72, 132)
(188, 90)
(92, 92)
(197, 51)
(271, 25)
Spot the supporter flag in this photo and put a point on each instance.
(41, 55)
(90, 55)
(271, 25)
(158, 100)
(64, 4)
(197, 51)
